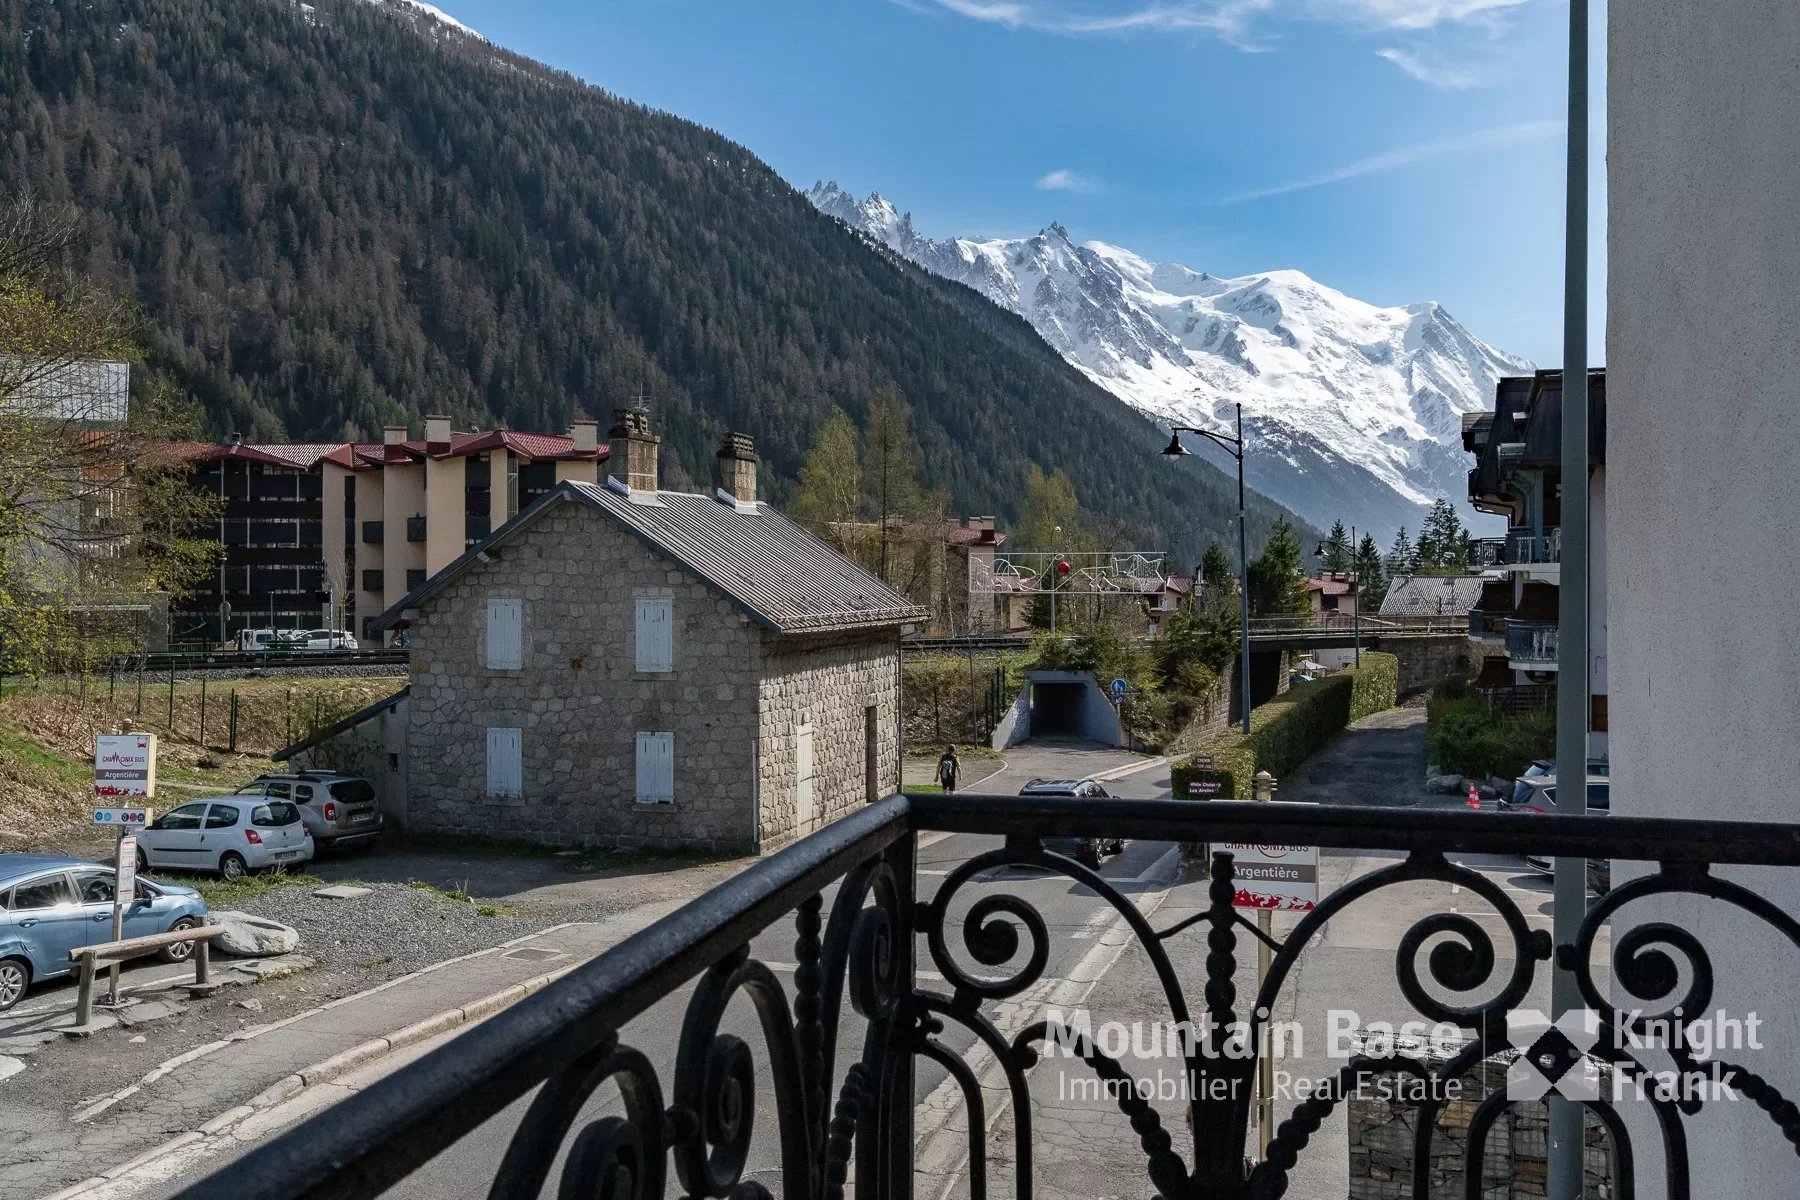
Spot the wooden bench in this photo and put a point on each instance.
(89, 959)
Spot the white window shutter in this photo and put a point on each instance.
(803, 779)
(656, 768)
(506, 635)
(655, 633)
(505, 763)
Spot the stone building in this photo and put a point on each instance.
(629, 666)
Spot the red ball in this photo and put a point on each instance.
(1062, 566)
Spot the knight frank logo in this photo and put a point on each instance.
(1553, 1056)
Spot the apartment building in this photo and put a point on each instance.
(400, 510)
(1518, 475)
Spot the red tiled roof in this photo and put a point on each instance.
(296, 456)
(1331, 587)
(537, 446)
(958, 534)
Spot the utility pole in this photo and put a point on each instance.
(1567, 1117)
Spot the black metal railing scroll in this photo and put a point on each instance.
(843, 1106)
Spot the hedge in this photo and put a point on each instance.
(1287, 730)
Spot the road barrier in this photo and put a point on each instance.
(89, 960)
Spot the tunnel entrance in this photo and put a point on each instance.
(1057, 709)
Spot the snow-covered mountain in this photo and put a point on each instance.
(1352, 411)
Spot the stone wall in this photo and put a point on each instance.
(375, 749)
(1427, 660)
(1513, 1166)
(827, 683)
(579, 700)
(1212, 716)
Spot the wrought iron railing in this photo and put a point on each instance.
(860, 927)
(1527, 548)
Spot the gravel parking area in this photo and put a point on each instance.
(393, 930)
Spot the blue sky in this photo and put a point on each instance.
(1399, 150)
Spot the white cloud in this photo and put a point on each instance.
(1406, 156)
(1434, 72)
(1410, 14)
(1065, 180)
(1230, 20)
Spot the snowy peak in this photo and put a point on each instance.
(1332, 385)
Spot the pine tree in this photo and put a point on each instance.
(1276, 582)
(1371, 580)
(1215, 572)
(1337, 549)
(1443, 543)
(1403, 559)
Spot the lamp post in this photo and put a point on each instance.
(1233, 446)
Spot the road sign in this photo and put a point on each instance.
(1203, 762)
(1275, 877)
(121, 817)
(1119, 688)
(125, 765)
(1204, 787)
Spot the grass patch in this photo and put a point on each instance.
(224, 894)
(425, 885)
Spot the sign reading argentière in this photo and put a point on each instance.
(1275, 877)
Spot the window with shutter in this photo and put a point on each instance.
(656, 768)
(803, 779)
(655, 633)
(505, 763)
(505, 635)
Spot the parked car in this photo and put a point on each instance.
(51, 905)
(267, 639)
(1535, 795)
(1087, 850)
(339, 810)
(326, 639)
(227, 834)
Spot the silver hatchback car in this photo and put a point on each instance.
(227, 834)
(339, 810)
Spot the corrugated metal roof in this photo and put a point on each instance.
(1432, 596)
(781, 575)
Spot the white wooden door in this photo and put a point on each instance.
(655, 633)
(803, 779)
(505, 763)
(656, 768)
(505, 635)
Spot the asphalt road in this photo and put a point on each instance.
(1076, 920)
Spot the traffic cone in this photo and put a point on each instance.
(1474, 796)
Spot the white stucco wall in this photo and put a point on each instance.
(1703, 502)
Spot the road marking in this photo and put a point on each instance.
(943, 1150)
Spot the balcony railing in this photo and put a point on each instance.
(840, 1039)
(1526, 548)
(1487, 552)
(415, 529)
(1531, 643)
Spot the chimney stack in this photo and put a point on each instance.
(737, 467)
(437, 433)
(585, 434)
(393, 435)
(632, 460)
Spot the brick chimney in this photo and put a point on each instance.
(585, 434)
(632, 460)
(737, 467)
(437, 434)
(393, 435)
(984, 526)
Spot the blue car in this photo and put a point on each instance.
(50, 905)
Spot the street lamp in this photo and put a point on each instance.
(1233, 446)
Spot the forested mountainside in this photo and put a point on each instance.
(340, 213)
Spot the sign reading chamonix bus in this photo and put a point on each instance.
(1275, 877)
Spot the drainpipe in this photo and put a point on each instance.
(1567, 1117)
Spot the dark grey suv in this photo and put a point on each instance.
(1087, 850)
(339, 810)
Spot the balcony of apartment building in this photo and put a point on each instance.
(836, 1016)
(1531, 645)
